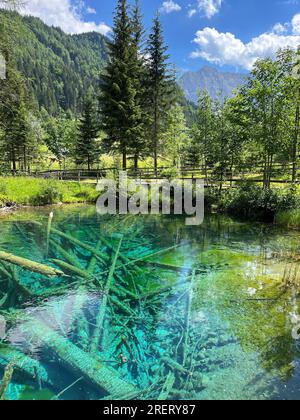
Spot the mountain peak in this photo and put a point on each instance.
(216, 82)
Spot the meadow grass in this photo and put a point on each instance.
(38, 192)
(289, 218)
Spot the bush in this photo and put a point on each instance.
(253, 202)
(170, 173)
(212, 198)
(48, 195)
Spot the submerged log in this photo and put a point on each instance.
(30, 265)
(100, 318)
(188, 320)
(72, 269)
(71, 259)
(25, 364)
(99, 255)
(93, 261)
(174, 365)
(80, 362)
(167, 388)
(108, 244)
(166, 266)
(143, 260)
(8, 373)
(120, 305)
(50, 219)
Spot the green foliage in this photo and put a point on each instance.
(32, 191)
(16, 145)
(160, 86)
(289, 218)
(58, 68)
(202, 131)
(50, 194)
(3, 200)
(60, 134)
(253, 202)
(120, 110)
(170, 173)
(86, 150)
(176, 136)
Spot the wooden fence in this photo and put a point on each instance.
(212, 175)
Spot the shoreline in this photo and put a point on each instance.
(19, 207)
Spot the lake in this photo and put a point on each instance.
(145, 307)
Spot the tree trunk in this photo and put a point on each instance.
(136, 163)
(14, 162)
(25, 158)
(79, 362)
(265, 177)
(124, 159)
(296, 140)
(270, 171)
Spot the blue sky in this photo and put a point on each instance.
(228, 34)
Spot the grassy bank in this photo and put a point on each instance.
(289, 219)
(249, 202)
(252, 203)
(39, 192)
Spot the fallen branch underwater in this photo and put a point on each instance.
(8, 373)
(80, 362)
(100, 319)
(30, 265)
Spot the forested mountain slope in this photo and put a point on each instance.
(58, 68)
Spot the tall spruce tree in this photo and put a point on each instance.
(139, 139)
(160, 86)
(14, 105)
(119, 109)
(86, 150)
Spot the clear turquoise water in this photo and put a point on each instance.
(211, 318)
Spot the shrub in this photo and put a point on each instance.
(47, 195)
(170, 173)
(253, 202)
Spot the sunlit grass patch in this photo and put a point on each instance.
(38, 192)
(289, 218)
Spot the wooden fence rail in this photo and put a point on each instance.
(212, 175)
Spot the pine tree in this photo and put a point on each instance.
(14, 119)
(118, 92)
(160, 86)
(139, 139)
(86, 151)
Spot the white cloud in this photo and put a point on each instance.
(209, 7)
(64, 14)
(170, 6)
(91, 11)
(296, 24)
(192, 12)
(225, 49)
(279, 28)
